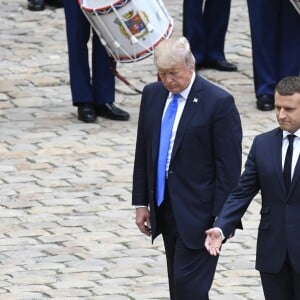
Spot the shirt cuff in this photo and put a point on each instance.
(221, 232)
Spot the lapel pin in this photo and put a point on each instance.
(195, 100)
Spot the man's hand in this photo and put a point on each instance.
(142, 220)
(213, 241)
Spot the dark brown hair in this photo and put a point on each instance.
(288, 86)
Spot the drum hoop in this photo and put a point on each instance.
(105, 9)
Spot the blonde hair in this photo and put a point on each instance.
(173, 51)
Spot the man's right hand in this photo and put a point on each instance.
(142, 220)
(213, 241)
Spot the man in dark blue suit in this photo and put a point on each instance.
(93, 90)
(273, 167)
(205, 25)
(202, 164)
(275, 27)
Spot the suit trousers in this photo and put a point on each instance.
(284, 285)
(205, 28)
(275, 43)
(190, 271)
(89, 85)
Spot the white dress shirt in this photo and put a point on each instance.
(296, 148)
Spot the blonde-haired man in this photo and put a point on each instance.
(187, 160)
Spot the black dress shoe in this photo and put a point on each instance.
(221, 65)
(265, 103)
(87, 113)
(36, 5)
(111, 111)
(55, 3)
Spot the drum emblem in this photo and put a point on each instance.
(134, 24)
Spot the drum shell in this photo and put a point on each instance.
(128, 29)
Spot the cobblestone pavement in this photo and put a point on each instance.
(67, 228)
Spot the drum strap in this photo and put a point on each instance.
(122, 78)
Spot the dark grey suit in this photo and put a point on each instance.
(279, 225)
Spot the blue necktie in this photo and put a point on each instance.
(164, 144)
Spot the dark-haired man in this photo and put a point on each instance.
(273, 167)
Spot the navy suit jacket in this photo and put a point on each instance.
(279, 226)
(206, 157)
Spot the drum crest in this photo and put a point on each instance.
(135, 23)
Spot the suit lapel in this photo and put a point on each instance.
(277, 157)
(193, 101)
(156, 123)
(296, 176)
